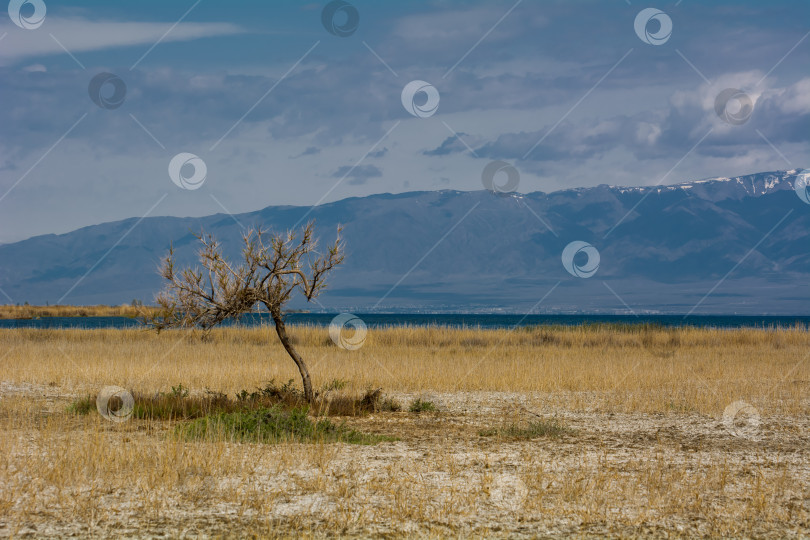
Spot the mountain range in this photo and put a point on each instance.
(721, 245)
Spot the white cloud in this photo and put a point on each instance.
(450, 33)
(796, 99)
(79, 35)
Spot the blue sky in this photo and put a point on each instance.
(281, 111)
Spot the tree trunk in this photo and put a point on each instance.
(281, 330)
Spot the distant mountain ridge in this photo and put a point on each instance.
(662, 249)
(753, 184)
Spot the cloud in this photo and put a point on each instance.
(783, 113)
(81, 35)
(542, 61)
(444, 35)
(310, 151)
(358, 175)
(450, 145)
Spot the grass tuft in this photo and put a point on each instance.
(419, 406)
(82, 406)
(538, 428)
(376, 401)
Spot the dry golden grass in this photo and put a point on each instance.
(645, 452)
(605, 368)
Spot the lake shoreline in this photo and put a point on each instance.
(449, 320)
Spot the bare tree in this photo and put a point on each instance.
(273, 267)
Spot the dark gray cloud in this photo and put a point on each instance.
(310, 151)
(358, 175)
(449, 146)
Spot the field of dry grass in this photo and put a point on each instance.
(643, 447)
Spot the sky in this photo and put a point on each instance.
(121, 109)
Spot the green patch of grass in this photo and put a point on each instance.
(272, 425)
(418, 406)
(538, 428)
(84, 405)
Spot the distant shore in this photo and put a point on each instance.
(33, 312)
(127, 316)
(36, 312)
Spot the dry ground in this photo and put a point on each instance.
(647, 451)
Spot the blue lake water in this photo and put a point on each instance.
(453, 320)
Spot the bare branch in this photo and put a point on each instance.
(273, 266)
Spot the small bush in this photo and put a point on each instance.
(372, 401)
(376, 401)
(388, 404)
(418, 406)
(179, 391)
(272, 394)
(538, 428)
(272, 425)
